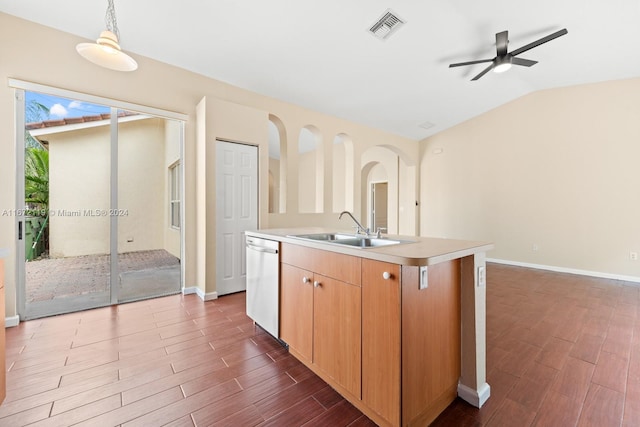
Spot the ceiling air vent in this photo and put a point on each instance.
(426, 125)
(388, 23)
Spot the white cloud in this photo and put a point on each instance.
(57, 110)
(77, 105)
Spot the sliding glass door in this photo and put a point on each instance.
(148, 194)
(97, 200)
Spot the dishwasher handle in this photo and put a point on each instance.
(262, 249)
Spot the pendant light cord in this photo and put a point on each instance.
(110, 19)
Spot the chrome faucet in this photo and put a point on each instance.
(359, 228)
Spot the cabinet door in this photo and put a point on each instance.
(296, 310)
(381, 344)
(430, 325)
(337, 331)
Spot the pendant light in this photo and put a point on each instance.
(106, 51)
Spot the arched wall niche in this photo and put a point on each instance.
(406, 159)
(378, 162)
(343, 173)
(401, 202)
(373, 173)
(273, 193)
(278, 151)
(310, 170)
(325, 176)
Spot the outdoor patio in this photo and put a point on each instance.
(52, 284)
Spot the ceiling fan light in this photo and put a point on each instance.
(501, 68)
(502, 64)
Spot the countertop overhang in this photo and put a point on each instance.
(421, 251)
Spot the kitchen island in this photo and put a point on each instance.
(397, 329)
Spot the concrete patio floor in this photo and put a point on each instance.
(58, 285)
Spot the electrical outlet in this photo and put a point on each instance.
(535, 247)
(482, 276)
(633, 256)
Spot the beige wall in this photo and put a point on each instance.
(80, 188)
(274, 185)
(230, 122)
(339, 175)
(142, 185)
(172, 137)
(35, 53)
(79, 181)
(307, 182)
(556, 170)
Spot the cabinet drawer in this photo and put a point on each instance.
(337, 266)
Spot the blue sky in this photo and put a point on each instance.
(62, 107)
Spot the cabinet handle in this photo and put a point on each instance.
(386, 275)
(316, 284)
(305, 279)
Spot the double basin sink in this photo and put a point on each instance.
(350, 240)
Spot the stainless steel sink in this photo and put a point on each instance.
(325, 237)
(350, 240)
(368, 242)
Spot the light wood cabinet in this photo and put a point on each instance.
(389, 347)
(296, 310)
(381, 305)
(431, 337)
(336, 331)
(320, 314)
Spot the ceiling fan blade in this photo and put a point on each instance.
(460, 64)
(485, 71)
(502, 39)
(539, 42)
(523, 62)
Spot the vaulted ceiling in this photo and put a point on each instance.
(320, 54)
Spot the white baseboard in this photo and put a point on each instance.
(475, 397)
(633, 279)
(203, 296)
(10, 322)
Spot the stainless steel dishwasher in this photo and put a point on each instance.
(263, 277)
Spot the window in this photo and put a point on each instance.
(174, 195)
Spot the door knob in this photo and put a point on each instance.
(386, 275)
(316, 284)
(305, 279)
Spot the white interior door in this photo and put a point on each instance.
(236, 211)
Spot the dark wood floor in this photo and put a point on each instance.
(563, 350)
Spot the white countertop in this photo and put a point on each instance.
(421, 251)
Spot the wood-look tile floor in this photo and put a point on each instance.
(563, 350)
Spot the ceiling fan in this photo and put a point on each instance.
(503, 59)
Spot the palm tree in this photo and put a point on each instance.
(35, 112)
(36, 179)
